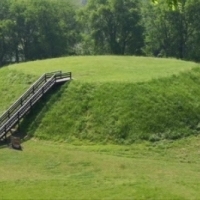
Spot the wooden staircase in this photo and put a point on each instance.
(12, 116)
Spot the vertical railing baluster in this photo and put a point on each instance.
(21, 106)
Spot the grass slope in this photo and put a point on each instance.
(46, 170)
(122, 113)
(116, 99)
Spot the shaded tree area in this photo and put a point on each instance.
(42, 29)
(172, 33)
(32, 30)
(113, 27)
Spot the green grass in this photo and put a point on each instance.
(119, 112)
(112, 100)
(108, 68)
(12, 85)
(46, 170)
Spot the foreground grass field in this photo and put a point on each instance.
(46, 170)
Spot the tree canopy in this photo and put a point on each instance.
(42, 29)
(169, 2)
(36, 29)
(114, 26)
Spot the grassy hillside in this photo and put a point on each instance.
(117, 99)
(114, 112)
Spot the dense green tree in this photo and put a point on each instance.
(47, 28)
(4, 30)
(171, 3)
(113, 26)
(172, 33)
(17, 11)
(50, 29)
(37, 29)
(193, 19)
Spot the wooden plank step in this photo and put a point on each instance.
(63, 80)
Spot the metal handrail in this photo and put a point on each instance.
(21, 106)
(21, 99)
(10, 111)
(18, 115)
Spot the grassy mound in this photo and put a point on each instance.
(161, 109)
(116, 99)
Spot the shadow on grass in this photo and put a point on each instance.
(28, 125)
(32, 120)
(4, 144)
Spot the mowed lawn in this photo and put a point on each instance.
(108, 68)
(47, 170)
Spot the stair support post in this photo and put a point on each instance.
(5, 129)
(18, 119)
(21, 106)
(8, 114)
(18, 116)
(42, 90)
(30, 103)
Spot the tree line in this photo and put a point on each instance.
(39, 29)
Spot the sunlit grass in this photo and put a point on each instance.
(45, 170)
(108, 68)
(84, 116)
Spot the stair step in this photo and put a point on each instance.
(62, 80)
(17, 111)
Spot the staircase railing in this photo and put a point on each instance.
(16, 105)
(28, 99)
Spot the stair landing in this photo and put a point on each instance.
(63, 80)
